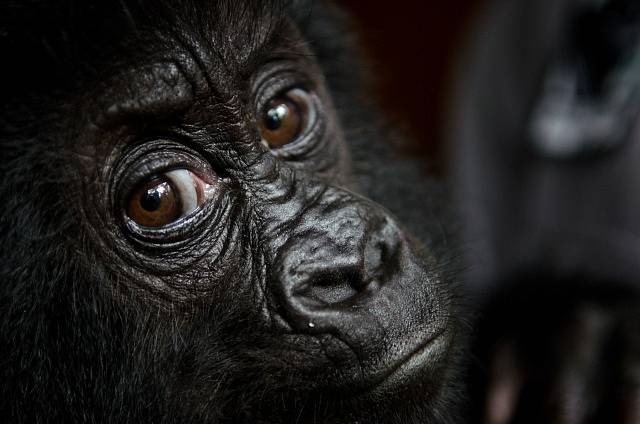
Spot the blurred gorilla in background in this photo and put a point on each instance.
(191, 223)
(545, 139)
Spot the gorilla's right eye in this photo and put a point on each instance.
(166, 198)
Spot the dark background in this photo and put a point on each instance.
(412, 45)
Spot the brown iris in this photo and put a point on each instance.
(285, 118)
(154, 204)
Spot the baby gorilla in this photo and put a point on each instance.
(184, 233)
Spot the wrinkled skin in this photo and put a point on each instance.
(546, 162)
(289, 295)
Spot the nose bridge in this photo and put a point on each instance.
(324, 237)
(328, 240)
(291, 202)
(282, 197)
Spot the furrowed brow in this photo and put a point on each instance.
(149, 92)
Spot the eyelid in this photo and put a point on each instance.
(154, 157)
(277, 80)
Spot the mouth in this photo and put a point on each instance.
(418, 364)
(417, 367)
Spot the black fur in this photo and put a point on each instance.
(82, 340)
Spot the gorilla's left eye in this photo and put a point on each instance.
(287, 117)
(166, 198)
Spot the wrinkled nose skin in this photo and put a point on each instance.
(342, 266)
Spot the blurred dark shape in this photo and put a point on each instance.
(591, 93)
(545, 153)
(530, 66)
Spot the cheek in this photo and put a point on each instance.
(342, 172)
(209, 271)
(208, 261)
(331, 161)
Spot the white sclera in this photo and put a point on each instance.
(191, 191)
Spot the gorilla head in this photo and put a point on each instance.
(185, 236)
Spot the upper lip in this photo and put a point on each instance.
(379, 377)
(419, 348)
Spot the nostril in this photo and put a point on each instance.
(381, 258)
(375, 257)
(342, 285)
(334, 287)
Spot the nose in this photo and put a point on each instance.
(339, 265)
(334, 262)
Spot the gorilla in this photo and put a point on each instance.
(546, 154)
(192, 228)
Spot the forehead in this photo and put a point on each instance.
(71, 18)
(229, 30)
(73, 38)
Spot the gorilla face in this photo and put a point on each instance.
(183, 238)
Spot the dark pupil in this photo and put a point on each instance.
(275, 116)
(151, 199)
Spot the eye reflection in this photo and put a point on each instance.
(154, 197)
